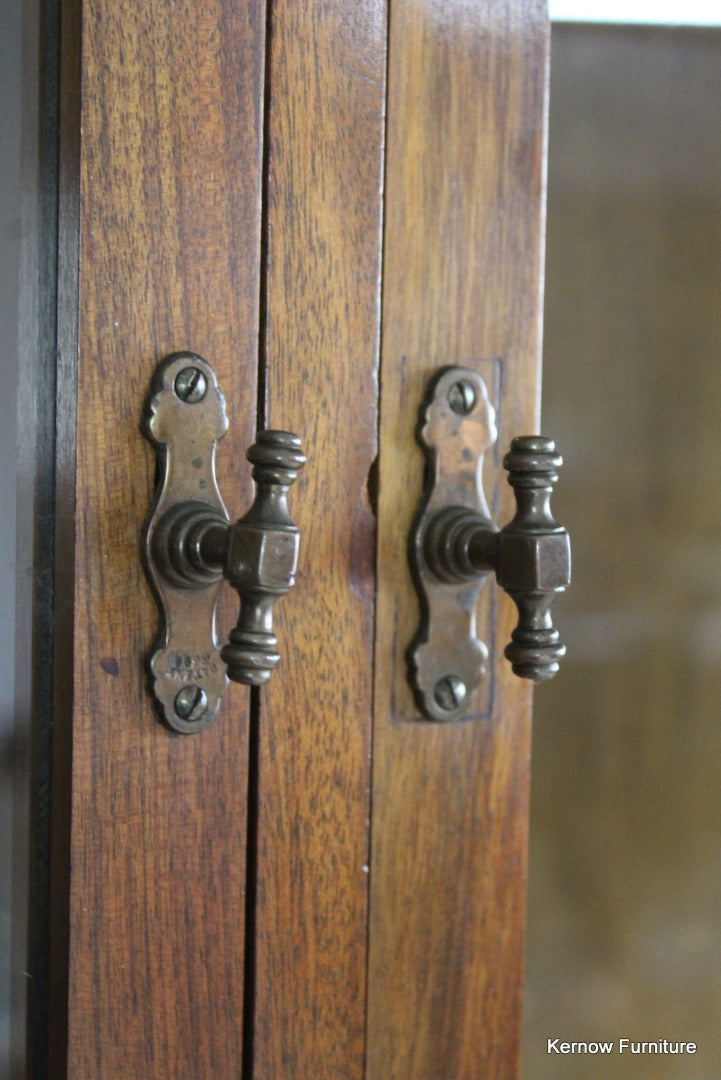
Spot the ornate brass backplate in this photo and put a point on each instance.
(446, 660)
(187, 673)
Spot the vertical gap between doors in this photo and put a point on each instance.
(251, 886)
(375, 493)
(251, 867)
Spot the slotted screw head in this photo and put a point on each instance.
(191, 703)
(191, 385)
(450, 692)
(462, 397)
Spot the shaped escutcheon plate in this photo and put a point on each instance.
(185, 418)
(446, 661)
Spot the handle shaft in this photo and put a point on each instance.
(534, 557)
(262, 557)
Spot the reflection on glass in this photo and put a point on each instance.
(624, 927)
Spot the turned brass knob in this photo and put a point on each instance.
(261, 557)
(531, 555)
(258, 555)
(534, 558)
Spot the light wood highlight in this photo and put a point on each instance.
(169, 143)
(327, 72)
(462, 283)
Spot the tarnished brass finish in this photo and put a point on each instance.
(261, 557)
(455, 545)
(186, 666)
(446, 660)
(190, 546)
(533, 562)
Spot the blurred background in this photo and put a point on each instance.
(624, 920)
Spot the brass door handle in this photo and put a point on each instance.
(191, 545)
(455, 545)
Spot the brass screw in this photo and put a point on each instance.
(191, 703)
(191, 385)
(462, 397)
(450, 692)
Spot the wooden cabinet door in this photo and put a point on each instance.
(328, 201)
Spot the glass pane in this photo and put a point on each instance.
(624, 927)
(28, 228)
(10, 253)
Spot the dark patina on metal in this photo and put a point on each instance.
(454, 545)
(190, 545)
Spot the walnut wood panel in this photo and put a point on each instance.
(169, 142)
(327, 73)
(462, 273)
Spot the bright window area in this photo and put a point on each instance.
(660, 12)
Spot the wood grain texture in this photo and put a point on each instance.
(169, 222)
(462, 277)
(324, 192)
